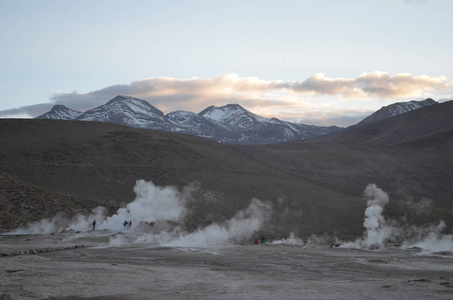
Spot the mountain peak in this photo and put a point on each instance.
(135, 105)
(123, 98)
(60, 112)
(395, 109)
(127, 111)
(58, 107)
(231, 114)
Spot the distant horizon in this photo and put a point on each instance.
(321, 62)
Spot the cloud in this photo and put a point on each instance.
(311, 98)
(321, 85)
(381, 84)
(26, 111)
(200, 92)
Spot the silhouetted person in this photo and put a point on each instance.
(94, 224)
(262, 240)
(125, 224)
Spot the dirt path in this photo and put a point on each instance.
(73, 267)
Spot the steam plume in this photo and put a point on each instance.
(379, 230)
(374, 223)
(151, 204)
(241, 226)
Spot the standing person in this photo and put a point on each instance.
(125, 223)
(94, 224)
(130, 224)
(262, 240)
(256, 240)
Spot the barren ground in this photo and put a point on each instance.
(70, 266)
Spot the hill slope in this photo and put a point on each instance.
(429, 126)
(101, 162)
(22, 202)
(394, 110)
(409, 156)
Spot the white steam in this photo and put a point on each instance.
(376, 229)
(151, 204)
(292, 240)
(157, 217)
(434, 240)
(380, 230)
(241, 226)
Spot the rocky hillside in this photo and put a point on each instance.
(22, 202)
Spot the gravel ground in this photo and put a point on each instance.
(85, 266)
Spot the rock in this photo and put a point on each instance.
(375, 247)
(9, 296)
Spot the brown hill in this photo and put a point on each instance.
(22, 202)
(409, 156)
(430, 127)
(101, 162)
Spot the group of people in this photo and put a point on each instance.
(260, 241)
(127, 224)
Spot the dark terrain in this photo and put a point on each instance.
(409, 156)
(101, 162)
(315, 186)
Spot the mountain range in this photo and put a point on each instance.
(229, 124)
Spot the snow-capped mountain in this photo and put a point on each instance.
(245, 127)
(190, 123)
(229, 124)
(60, 112)
(233, 116)
(395, 109)
(127, 111)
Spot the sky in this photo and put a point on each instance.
(317, 62)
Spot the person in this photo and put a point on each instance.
(94, 224)
(130, 224)
(256, 240)
(125, 223)
(262, 240)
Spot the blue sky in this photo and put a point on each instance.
(316, 62)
